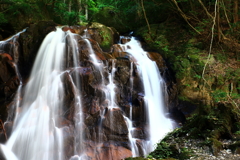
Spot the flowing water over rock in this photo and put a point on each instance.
(82, 103)
(153, 84)
(35, 135)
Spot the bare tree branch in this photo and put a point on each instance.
(211, 43)
(145, 16)
(184, 16)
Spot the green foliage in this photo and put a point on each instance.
(185, 153)
(62, 15)
(219, 95)
(221, 122)
(3, 18)
(169, 150)
(126, 15)
(222, 57)
(107, 39)
(163, 150)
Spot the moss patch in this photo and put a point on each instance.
(103, 35)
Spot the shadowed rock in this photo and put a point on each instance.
(115, 122)
(9, 82)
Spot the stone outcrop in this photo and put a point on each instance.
(29, 42)
(105, 36)
(106, 132)
(9, 82)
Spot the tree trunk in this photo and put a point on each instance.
(225, 8)
(205, 9)
(70, 6)
(149, 29)
(86, 10)
(219, 29)
(235, 11)
(79, 10)
(184, 16)
(53, 4)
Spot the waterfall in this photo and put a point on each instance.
(111, 88)
(11, 44)
(78, 139)
(153, 84)
(68, 65)
(35, 135)
(17, 98)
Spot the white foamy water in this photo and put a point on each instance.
(35, 135)
(110, 94)
(153, 83)
(135, 151)
(11, 45)
(9, 155)
(92, 54)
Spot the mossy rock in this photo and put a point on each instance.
(235, 147)
(105, 36)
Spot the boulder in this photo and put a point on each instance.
(9, 82)
(30, 41)
(117, 51)
(125, 40)
(105, 36)
(106, 150)
(104, 129)
(114, 122)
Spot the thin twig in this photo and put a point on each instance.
(233, 102)
(145, 16)
(205, 9)
(211, 43)
(224, 8)
(184, 16)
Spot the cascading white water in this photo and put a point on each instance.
(92, 54)
(9, 155)
(11, 44)
(35, 135)
(111, 88)
(135, 150)
(98, 64)
(78, 147)
(17, 97)
(159, 125)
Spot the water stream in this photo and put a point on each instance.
(35, 135)
(153, 84)
(36, 132)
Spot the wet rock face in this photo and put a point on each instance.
(105, 36)
(106, 151)
(105, 128)
(23, 47)
(9, 82)
(19, 50)
(30, 41)
(119, 126)
(101, 123)
(117, 51)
